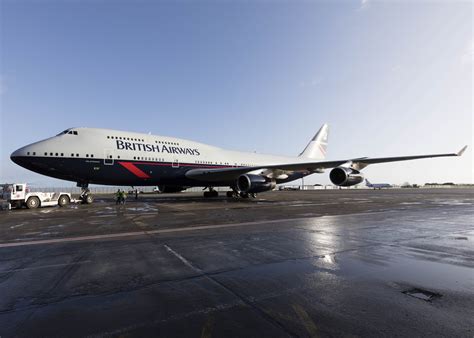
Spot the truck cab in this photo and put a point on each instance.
(15, 191)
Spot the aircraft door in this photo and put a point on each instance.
(175, 163)
(108, 157)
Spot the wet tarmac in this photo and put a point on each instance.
(293, 263)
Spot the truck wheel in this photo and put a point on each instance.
(33, 202)
(88, 199)
(63, 200)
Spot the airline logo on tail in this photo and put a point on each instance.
(317, 147)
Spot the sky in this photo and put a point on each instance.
(390, 77)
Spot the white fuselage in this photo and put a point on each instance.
(90, 155)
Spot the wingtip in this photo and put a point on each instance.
(460, 152)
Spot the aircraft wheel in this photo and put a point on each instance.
(244, 195)
(87, 199)
(253, 195)
(63, 200)
(33, 202)
(230, 194)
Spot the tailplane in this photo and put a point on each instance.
(317, 147)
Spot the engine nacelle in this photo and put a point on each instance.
(170, 188)
(345, 177)
(255, 183)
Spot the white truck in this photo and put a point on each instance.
(18, 195)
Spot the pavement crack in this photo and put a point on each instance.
(273, 321)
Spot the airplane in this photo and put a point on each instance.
(111, 157)
(377, 185)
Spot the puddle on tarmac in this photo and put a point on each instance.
(401, 267)
(453, 202)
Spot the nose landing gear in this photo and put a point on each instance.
(85, 196)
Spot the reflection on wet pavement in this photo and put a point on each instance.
(243, 269)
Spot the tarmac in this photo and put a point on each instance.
(395, 262)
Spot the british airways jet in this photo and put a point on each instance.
(111, 157)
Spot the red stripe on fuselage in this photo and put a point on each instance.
(132, 168)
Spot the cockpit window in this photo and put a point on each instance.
(68, 131)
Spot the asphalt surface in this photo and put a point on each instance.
(304, 263)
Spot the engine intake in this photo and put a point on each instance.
(345, 177)
(255, 183)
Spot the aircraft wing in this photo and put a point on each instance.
(225, 174)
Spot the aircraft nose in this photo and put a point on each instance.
(15, 155)
(19, 155)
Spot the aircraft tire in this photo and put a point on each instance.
(87, 199)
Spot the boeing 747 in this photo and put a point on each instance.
(111, 157)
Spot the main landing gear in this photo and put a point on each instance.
(236, 194)
(85, 196)
(230, 194)
(247, 195)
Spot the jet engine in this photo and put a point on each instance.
(255, 183)
(345, 177)
(171, 188)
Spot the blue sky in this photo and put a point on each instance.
(391, 78)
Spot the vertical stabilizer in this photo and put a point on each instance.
(317, 147)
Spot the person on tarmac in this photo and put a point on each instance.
(118, 197)
(123, 196)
